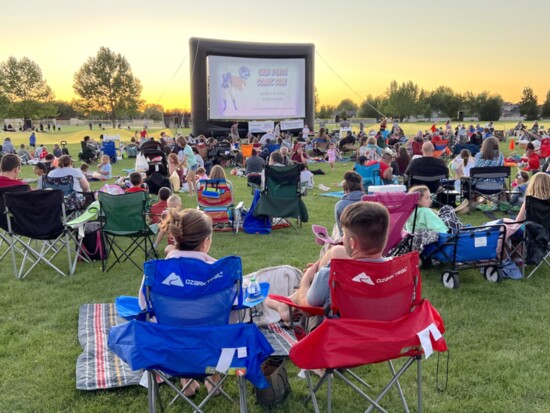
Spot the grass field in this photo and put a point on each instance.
(496, 332)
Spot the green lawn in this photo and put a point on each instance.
(496, 332)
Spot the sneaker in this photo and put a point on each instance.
(323, 187)
(463, 208)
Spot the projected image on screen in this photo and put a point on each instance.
(251, 88)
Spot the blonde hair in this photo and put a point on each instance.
(189, 228)
(421, 189)
(173, 201)
(217, 172)
(539, 186)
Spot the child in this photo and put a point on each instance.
(173, 203)
(105, 168)
(40, 170)
(201, 174)
(429, 223)
(531, 160)
(159, 207)
(136, 181)
(306, 178)
(519, 187)
(332, 155)
(85, 168)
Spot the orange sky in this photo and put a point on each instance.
(468, 45)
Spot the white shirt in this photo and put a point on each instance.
(67, 171)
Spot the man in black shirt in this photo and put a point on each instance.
(427, 166)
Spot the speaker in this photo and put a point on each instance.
(337, 119)
(28, 124)
(460, 115)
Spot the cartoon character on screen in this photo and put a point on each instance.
(230, 81)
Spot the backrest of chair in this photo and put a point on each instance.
(282, 181)
(380, 291)
(123, 213)
(538, 210)
(490, 172)
(441, 144)
(370, 174)
(214, 193)
(35, 214)
(4, 190)
(188, 291)
(400, 207)
(64, 183)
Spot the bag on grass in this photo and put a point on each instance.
(275, 372)
(93, 244)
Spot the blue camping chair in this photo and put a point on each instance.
(370, 175)
(192, 338)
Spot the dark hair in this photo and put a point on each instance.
(530, 146)
(368, 223)
(9, 162)
(164, 193)
(362, 159)
(352, 182)
(41, 166)
(135, 178)
(50, 157)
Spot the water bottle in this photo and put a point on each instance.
(254, 291)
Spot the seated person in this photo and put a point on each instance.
(365, 228)
(347, 143)
(254, 164)
(386, 171)
(50, 161)
(519, 186)
(10, 166)
(136, 181)
(299, 156)
(201, 174)
(23, 153)
(427, 165)
(159, 207)
(65, 168)
(353, 192)
(306, 178)
(85, 168)
(40, 170)
(173, 203)
(531, 160)
(7, 146)
(428, 223)
(104, 169)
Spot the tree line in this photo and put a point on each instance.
(406, 99)
(106, 87)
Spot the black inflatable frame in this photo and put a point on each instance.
(200, 48)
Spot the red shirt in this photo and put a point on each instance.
(157, 210)
(5, 182)
(134, 189)
(383, 166)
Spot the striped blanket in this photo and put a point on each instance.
(98, 368)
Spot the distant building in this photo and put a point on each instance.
(510, 110)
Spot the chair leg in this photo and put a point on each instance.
(243, 402)
(329, 392)
(419, 378)
(312, 391)
(151, 392)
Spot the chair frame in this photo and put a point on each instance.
(139, 240)
(43, 250)
(490, 172)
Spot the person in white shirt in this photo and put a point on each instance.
(80, 183)
(305, 131)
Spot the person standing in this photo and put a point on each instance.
(32, 140)
(187, 156)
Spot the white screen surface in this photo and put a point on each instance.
(250, 88)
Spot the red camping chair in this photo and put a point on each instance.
(382, 317)
(400, 207)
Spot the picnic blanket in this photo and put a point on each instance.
(99, 368)
(335, 194)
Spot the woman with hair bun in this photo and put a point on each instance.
(191, 230)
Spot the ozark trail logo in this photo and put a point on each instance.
(173, 280)
(363, 278)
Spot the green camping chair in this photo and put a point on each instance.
(281, 196)
(124, 216)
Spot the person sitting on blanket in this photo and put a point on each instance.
(429, 223)
(192, 233)
(365, 227)
(353, 192)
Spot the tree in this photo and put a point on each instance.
(370, 107)
(24, 92)
(153, 112)
(545, 109)
(484, 106)
(326, 111)
(528, 104)
(346, 105)
(65, 110)
(403, 99)
(105, 83)
(446, 101)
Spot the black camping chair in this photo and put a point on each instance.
(489, 182)
(38, 231)
(536, 239)
(4, 236)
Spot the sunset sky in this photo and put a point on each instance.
(471, 45)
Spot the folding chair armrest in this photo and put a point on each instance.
(306, 309)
